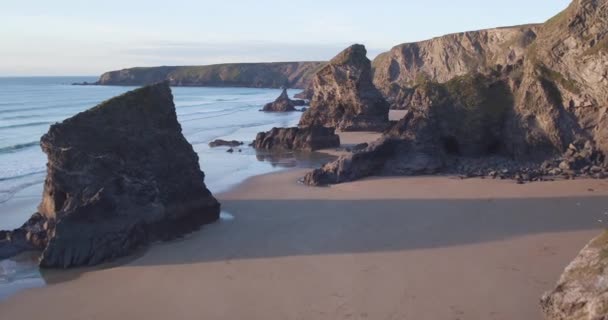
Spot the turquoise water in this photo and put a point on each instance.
(29, 105)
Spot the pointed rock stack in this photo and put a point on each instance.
(119, 176)
(345, 97)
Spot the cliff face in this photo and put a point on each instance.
(344, 96)
(257, 75)
(556, 73)
(443, 58)
(564, 88)
(529, 93)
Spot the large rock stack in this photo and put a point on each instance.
(344, 96)
(119, 176)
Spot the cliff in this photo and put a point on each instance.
(534, 94)
(443, 58)
(257, 75)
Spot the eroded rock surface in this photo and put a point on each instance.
(119, 176)
(529, 101)
(582, 291)
(297, 138)
(344, 96)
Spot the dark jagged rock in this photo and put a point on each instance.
(224, 143)
(344, 95)
(359, 147)
(582, 290)
(297, 138)
(119, 176)
(408, 148)
(283, 104)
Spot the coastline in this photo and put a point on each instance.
(429, 247)
(419, 247)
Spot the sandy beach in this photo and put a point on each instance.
(381, 248)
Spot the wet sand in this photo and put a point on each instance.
(381, 248)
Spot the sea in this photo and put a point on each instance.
(29, 105)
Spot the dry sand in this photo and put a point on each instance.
(382, 248)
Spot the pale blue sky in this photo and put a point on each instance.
(70, 37)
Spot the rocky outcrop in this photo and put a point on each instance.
(283, 104)
(558, 75)
(409, 148)
(297, 138)
(344, 96)
(119, 176)
(540, 103)
(224, 143)
(255, 75)
(582, 290)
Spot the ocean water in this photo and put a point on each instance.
(28, 106)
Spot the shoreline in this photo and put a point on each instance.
(422, 247)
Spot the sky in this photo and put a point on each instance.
(70, 37)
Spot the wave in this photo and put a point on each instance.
(33, 173)
(21, 117)
(23, 125)
(18, 147)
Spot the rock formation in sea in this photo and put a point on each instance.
(344, 96)
(255, 75)
(119, 176)
(283, 103)
(582, 291)
(310, 138)
(224, 143)
(531, 96)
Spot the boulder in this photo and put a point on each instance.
(344, 96)
(297, 138)
(582, 290)
(224, 143)
(119, 176)
(283, 104)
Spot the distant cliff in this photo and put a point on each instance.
(257, 75)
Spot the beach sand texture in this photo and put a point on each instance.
(380, 248)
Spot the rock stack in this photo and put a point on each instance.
(344, 96)
(283, 104)
(119, 176)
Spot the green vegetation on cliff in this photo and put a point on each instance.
(258, 75)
